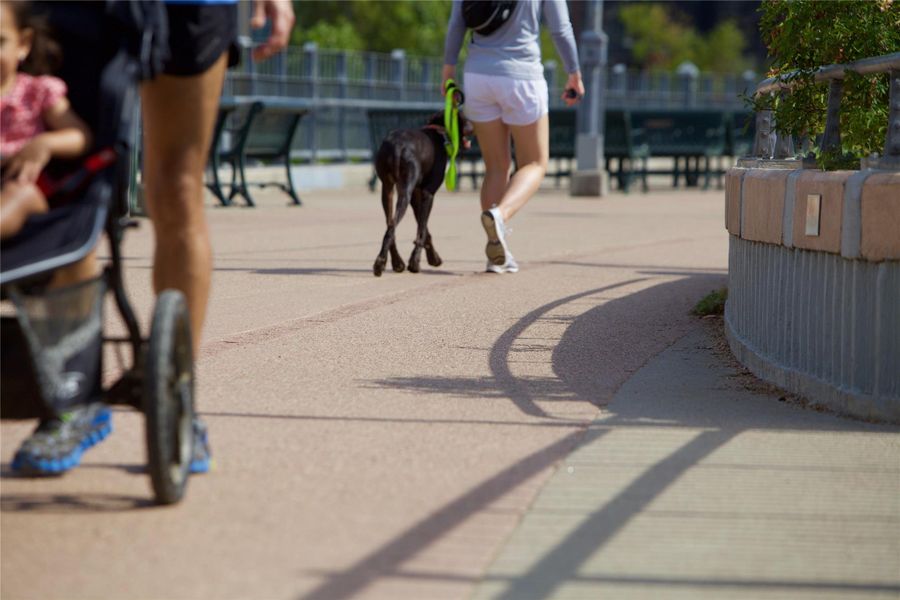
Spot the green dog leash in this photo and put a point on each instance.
(451, 125)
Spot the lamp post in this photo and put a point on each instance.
(589, 178)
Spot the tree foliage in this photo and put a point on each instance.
(723, 49)
(659, 37)
(662, 38)
(375, 25)
(803, 35)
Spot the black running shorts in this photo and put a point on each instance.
(198, 35)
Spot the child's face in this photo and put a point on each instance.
(15, 44)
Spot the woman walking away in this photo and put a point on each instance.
(507, 98)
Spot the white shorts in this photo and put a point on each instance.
(514, 101)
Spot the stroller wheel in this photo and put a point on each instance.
(169, 397)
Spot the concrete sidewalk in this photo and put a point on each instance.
(698, 482)
(410, 436)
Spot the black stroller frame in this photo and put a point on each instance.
(159, 380)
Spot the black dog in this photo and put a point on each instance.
(413, 161)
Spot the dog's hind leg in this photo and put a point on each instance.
(396, 259)
(387, 203)
(405, 191)
(424, 235)
(431, 254)
(418, 202)
(388, 244)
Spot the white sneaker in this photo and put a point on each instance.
(510, 266)
(496, 249)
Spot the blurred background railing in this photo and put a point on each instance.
(341, 85)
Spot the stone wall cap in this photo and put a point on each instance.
(825, 176)
(884, 177)
(761, 163)
(768, 174)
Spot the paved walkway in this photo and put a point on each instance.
(567, 431)
(694, 484)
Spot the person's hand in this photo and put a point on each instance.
(281, 14)
(574, 90)
(448, 72)
(26, 165)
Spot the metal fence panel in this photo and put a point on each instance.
(340, 84)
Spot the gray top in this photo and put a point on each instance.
(514, 49)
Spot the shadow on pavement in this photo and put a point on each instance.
(425, 272)
(590, 377)
(588, 364)
(74, 503)
(71, 503)
(387, 559)
(639, 268)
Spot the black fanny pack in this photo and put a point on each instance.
(484, 17)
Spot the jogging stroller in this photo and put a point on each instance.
(52, 347)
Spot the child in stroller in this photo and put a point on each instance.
(37, 122)
(51, 348)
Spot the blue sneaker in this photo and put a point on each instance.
(201, 459)
(57, 444)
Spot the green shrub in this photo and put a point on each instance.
(803, 35)
(711, 304)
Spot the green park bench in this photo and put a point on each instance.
(563, 133)
(253, 131)
(740, 129)
(686, 136)
(625, 145)
(229, 136)
(740, 133)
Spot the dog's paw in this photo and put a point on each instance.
(399, 267)
(434, 260)
(413, 267)
(378, 267)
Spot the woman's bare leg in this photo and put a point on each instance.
(179, 115)
(493, 139)
(532, 144)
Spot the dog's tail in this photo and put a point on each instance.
(398, 162)
(405, 177)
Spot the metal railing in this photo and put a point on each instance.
(341, 85)
(309, 71)
(770, 143)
